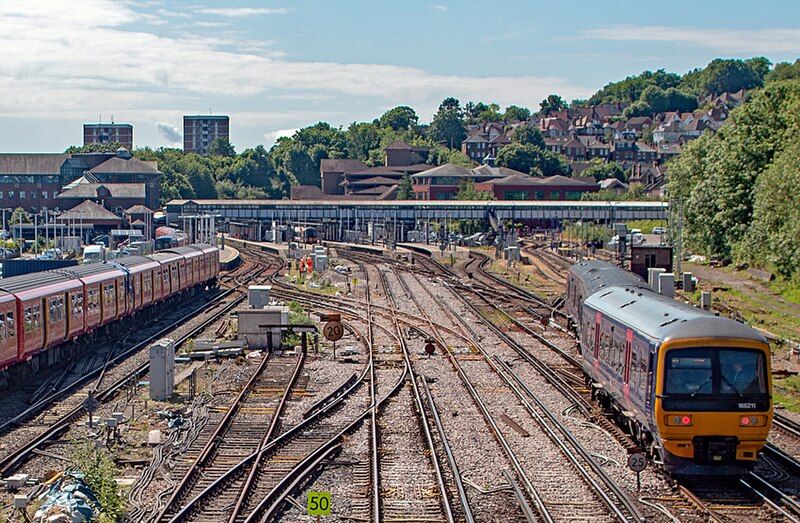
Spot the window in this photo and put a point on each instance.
(11, 328)
(2, 327)
(712, 371)
(22, 194)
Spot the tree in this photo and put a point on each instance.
(774, 239)
(717, 177)
(529, 134)
(19, 216)
(467, 191)
(603, 171)
(447, 128)
(221, 147)
(639, 108)
(726, 76)
(630, 89)
(94, 148)
(784, 71)
(661, 100)
(398, 118)
(553, 103)
(490, 114)
(516, 113)
(405, 190)
(451, 103)
(532, 159)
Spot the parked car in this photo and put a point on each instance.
(659, 230)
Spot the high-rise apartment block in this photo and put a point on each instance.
(201, 130)
(121, 133)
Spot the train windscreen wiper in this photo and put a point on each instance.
(732, 386)
(700, 387)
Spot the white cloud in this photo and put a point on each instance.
(750, 41)
(438, 7)
(236, 12)
(169, 132)
(272, 136)
(49, 51)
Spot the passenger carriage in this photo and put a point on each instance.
(692, 386)
(43, 310)
(170, 273)
(8, 329)
(106, 292)
(143, 272)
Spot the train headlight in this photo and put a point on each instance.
(752, 421)
(679, 420)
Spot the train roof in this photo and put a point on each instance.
(596, 275)
(193, 250)
(25, 282)
(663, 318)
(133, 261)
(165, 256)
(89, 269)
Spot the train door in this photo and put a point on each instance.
(651, 381)
(626, 373)
(597, 318)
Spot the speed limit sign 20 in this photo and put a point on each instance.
(333, 330)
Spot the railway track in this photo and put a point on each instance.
(756, 488)
(64, 407)
(245, 427)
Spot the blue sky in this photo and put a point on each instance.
(275, 66)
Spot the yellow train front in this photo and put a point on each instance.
(693, 388)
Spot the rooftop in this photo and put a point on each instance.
(31, 163)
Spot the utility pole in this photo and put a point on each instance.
(679, 240)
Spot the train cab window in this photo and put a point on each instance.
(742, 372)
(689, 371)
(718, 371)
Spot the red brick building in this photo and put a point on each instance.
(105, 133)
(34, 181)
(523, 187)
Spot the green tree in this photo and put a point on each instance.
(99, 472)
(531, 159)
(639, 108)
(398, 118)
(516, 113)
(784, 71)
(716, 177)
(630, 89)
(19, 216)
(726, 76)
(467, 191)
(451, 104)
(553, 103)
(405, 190)
(221, 147)
(603, 171)
(448, 128)
(661, 100)
(490, 114)
(94, 148)
(529, 134)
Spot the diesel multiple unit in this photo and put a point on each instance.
(694, 388)
(42, 310)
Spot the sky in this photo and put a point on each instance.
(275, 66)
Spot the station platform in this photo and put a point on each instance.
(279, 249)
(456, 251)
(228, 258)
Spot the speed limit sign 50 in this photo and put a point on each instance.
(333, 330)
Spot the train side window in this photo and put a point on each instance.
(2, 327)
(11, 329)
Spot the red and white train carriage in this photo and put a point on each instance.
(42, 310)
